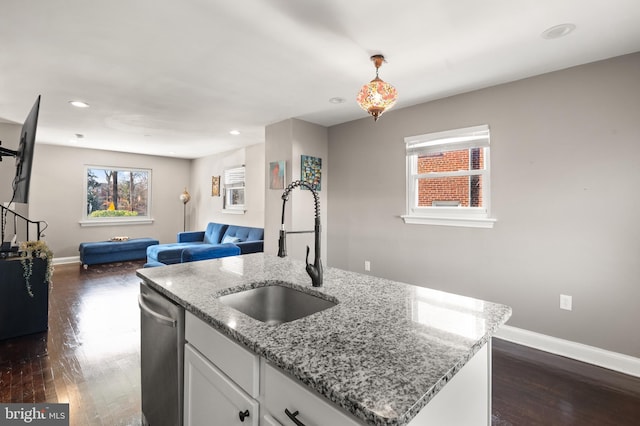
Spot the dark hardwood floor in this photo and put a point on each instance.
(90, 358)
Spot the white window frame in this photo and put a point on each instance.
(110, 221)
(450, 140)
(234, 181)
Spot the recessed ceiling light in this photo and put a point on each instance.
(79, 104)
(234, 132)
(337, 100)
(558, 31)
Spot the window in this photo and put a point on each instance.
(117, 195)
(234, 190)
(448, 178)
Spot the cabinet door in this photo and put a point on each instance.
(211, 398)
(267, 420)
(285, 398)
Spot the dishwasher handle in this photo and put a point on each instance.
(154, 315)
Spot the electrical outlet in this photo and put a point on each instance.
(367, 265)
(565, 302)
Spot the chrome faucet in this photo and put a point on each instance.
(315, 270)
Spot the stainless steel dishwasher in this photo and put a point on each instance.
(161, 358)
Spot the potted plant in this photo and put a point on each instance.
(33, 250)
(24, 290)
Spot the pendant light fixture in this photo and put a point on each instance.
(377, 96)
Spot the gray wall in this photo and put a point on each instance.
(203, 208)
(287, 141)
(565, 151)
(57, 195)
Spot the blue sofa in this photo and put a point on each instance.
(218, 240)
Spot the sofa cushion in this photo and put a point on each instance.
(245, 233)
(168, 253)
(214, 233)
(206, 251)
(255, 234)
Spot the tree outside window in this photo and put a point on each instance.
(117, 193)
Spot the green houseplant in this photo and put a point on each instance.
(32, 250)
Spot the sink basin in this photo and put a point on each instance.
(275, 304)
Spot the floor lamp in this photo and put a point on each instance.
(185, 197)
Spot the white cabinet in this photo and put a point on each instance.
(469, 389)
(226, 384)
(240, 364)
(220, 378)
(267, 420)
(284, 398)
(211, 398)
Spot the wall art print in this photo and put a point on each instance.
(215, 186)
(276, 174)
(311, 171)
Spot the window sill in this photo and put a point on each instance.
(467, 222)
(233, 211)
(113, 222)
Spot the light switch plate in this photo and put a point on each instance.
(566, 302)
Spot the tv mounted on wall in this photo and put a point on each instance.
(24, 155)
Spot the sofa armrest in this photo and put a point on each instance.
(247, 247)
(190, 236)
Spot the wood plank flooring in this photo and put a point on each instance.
(532, 387)
(90, 358)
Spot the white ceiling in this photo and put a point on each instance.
(173, 77)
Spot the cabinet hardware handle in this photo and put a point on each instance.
(243, 414)
(292, 416)
(156, 316)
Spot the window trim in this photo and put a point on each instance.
(449, 140)
(86, 221)
(234, 180)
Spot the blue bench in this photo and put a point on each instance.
(114, 251)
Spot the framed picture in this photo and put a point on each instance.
(311, 171)
(215, 186)
(276, 175)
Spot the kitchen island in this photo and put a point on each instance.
(381, 354)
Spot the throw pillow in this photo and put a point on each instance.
(230, 239)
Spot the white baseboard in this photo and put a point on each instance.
(65, 260)
(611, 360)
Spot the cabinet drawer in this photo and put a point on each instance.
(267, 420)
(282, 392)
(211, 398)
(240, 364)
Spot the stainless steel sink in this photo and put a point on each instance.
(275, 304)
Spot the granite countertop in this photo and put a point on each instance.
(381, 353)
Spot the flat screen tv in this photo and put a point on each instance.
(24, 156)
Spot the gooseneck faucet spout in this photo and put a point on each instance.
(314, 270)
